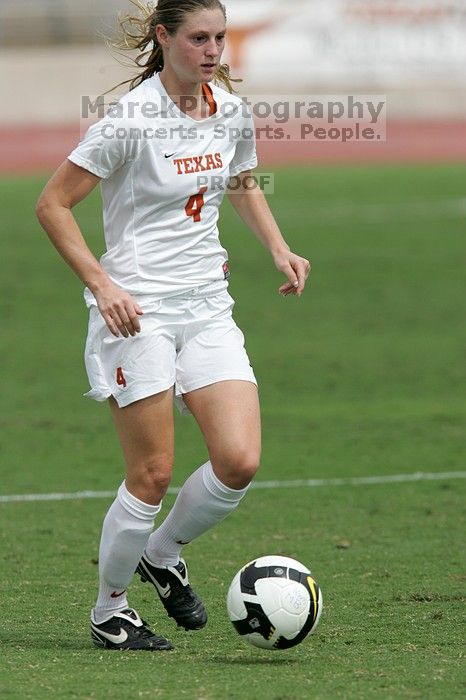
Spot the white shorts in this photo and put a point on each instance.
(188, 341)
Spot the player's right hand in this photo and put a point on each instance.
(119, 310)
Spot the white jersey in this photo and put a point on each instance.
(163, 180)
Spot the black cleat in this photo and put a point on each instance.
(126, 630)
(177, 596)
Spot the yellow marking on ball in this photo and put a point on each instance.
(312, 587)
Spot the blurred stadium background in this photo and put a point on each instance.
(413, 51)
(361, 380)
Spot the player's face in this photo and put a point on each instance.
(196, 49)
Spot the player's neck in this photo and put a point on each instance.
(188, 97)
(176, 88)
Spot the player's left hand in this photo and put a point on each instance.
(296, 268)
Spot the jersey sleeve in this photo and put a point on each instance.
(106, 147)
(245, 157)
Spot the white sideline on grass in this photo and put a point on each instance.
(295, 483)
(424, 208)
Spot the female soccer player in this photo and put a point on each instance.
(161, 324)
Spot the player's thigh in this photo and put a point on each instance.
(228, 414)
(146, 432)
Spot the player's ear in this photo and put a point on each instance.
(162, 36)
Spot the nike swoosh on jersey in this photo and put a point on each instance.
(164, 591)
(170, 156)
(115, 638)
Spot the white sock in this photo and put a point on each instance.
(202, 503)
(125, 532)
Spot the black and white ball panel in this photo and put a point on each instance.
(274, 602)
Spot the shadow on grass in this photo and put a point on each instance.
(23, 644)
(56, 644)
(251, 661)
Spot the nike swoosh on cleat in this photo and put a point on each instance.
(115, 638)
(117, 595)
(164, 591)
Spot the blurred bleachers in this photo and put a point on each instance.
(410, 52)
(55, 22)
(413, 51)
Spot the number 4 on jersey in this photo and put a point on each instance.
(120, 377)
(195, 204)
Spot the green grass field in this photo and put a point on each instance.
(364, 375)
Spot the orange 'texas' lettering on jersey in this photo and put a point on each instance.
(198, 164)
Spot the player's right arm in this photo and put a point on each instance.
(68, 186)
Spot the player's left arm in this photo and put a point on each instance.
(250, 203)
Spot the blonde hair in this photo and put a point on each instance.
(138, 32)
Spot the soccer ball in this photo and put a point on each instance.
(274, 602)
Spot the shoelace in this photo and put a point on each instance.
(184, 594)
(144, 632)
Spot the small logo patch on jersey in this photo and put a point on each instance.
(226, 271)
(169, 156)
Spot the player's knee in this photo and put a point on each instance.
(153, 477)
(248, 464)
(238, 469)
